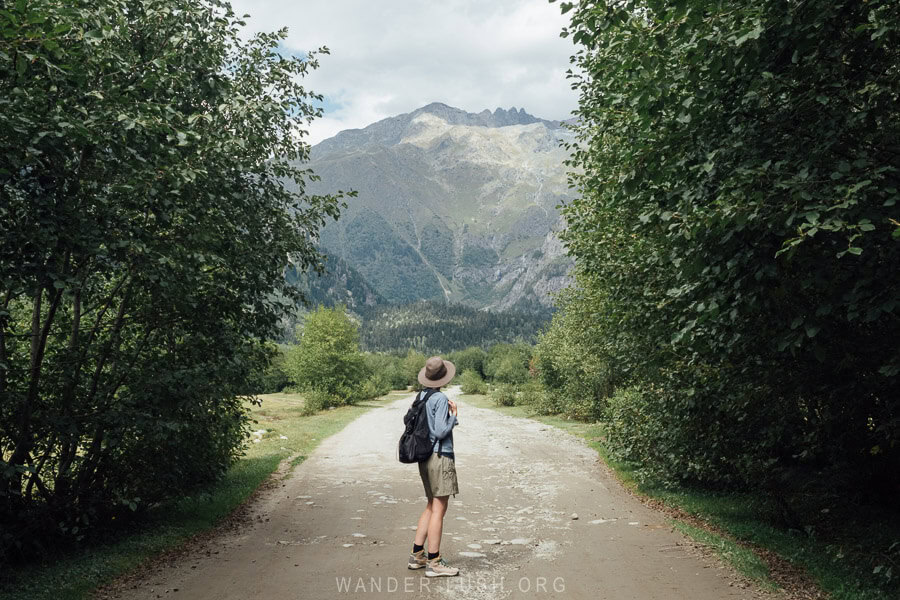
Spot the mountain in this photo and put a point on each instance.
(453, 206)
(392, 130)
(339, 284)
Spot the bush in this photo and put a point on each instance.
(572, 357)
(508, 363)
(472, 383)
(530, 393)
(544, 401)
(504, 394)
(328, 355)
(387, 372)
(547, 402)
(370, 389)
(145, 228)
(630, 426)
(470, 359)
(412, 364)
(750, 279)
(678, 437)
(272, 377)
(511, 369)
(316, 400)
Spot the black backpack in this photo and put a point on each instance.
(415, 443)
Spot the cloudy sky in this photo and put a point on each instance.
(393, 56)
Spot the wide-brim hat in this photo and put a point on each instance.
(437, 372)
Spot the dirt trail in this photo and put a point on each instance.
(343, 522)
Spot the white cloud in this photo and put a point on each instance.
(393, 56)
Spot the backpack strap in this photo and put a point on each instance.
(415, 409)
(428, 395)
(440, 442)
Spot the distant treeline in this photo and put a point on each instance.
(433, 328)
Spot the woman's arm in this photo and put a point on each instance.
(440, 420)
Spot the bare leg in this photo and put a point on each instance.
(422, 528)
(436, 524)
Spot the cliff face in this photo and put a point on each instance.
(452, 206)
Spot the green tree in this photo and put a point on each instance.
(469, 359)
(572, 356)
(738, 173)
(328, 357)
(387, 372)
(146, 149)
(412, 364)
(470, 382)
(440, 328)
(271, 377)
(507, 363)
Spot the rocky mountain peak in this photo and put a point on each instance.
(392, 130)
(486, 118)
(453, 206)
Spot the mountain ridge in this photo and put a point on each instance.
(389, 130)
(453, 206)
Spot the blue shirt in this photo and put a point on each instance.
(440, 422)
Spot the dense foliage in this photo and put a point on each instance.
(338, 284)
(507, 363)
(435, 327)
(737, 233)
(144, 231)
(387, 373)
(469, 359)
(327, 357)
(470, 382)
(411, 364)
(572, 356)
(386, 260)
(272, 376)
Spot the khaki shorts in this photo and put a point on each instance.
(439, 476)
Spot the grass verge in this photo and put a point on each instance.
(282, 434)
(835, 554)
(742, 558)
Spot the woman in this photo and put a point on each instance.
(438, 472)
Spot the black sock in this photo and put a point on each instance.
(433, 555)
(417, 548)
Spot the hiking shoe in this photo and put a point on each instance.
(438, 567)
(418, 560)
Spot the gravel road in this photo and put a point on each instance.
(342, 524)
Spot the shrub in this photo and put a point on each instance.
(387, 372)
(271, 377)
(629, 428)
(678, 437)
(328, 355)
(507, 363)
(572, 357)
(370, 389)
(511, 369)
(530, 393)
(547, 402)
(504, 394)
(470, 359)
(542, 400)
(472, 383)
(316, 400)
(751, 279)
(412, 364)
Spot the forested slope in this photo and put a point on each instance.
(433, 327)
